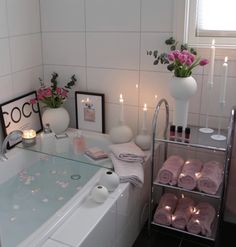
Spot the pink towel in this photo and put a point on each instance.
(211, 177)
(165, 209)
(182, 213)
(170, 170)
(189, 174)
(201, 220)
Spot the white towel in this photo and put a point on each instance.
(129, 152)
(128, 171)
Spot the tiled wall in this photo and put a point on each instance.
(20, 47)
(105, 42)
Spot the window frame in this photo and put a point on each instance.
(181, 33)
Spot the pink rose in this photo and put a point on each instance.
(203, 62)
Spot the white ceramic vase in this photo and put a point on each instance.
(121, 134)
(99, 193)
(58, 118)
(110, 180)
(182, 89)
(143, 140)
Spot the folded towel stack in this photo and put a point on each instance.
(170, 170)
(182, 213)
(127, 159)
(211, 177)
(165, 209)
(189, 174)
(202, 219)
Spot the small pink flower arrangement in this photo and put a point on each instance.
(53, 96)
(181, 61)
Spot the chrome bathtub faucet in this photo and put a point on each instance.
(12, 136)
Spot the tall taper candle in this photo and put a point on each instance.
(212, 61)
(121, 109)
(223, 91)
(144, 117)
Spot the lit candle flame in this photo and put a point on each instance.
(121, 98)
(226, 59)
(145, 107)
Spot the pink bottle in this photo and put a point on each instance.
(79, 144)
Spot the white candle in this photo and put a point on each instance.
(145, 117)
(121, 109)
(223, 88)
(212, 62)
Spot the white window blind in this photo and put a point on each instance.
(216, 18)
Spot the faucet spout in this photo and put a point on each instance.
(12, 136)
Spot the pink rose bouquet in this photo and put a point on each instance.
(53, 96)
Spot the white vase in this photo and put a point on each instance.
(99, 193)
(143, 140)
(182, 89)
(110, 180)
(121, 134)
(58, 118)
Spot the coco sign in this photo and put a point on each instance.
(19, 114)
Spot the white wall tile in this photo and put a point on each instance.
(23, 16)
(154, 83)
(114, 82)
(62, 15)
(25, 52)
(151, 42)
(212, 98)
(4, 57)
(6, 88)
(113, 15)
(64, 48)
(3, 19)
(113, 50)
(26, 80)
(65, 73)
(157, 15)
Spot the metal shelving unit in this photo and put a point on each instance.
(200, 141)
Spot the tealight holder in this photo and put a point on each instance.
(29, 137)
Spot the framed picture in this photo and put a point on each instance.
(20, 114)
(90, 111)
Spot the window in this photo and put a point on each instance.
(209, 19)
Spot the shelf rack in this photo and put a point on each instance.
(200, 141)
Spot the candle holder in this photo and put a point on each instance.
(121, 133)
(206, 129)
(219, 136)
(29, 137)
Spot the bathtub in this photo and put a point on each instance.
(38, 192)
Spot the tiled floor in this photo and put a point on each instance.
(171, 239)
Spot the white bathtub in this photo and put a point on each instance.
(37, 193)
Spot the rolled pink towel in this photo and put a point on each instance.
(182, 213)
(202, 219)
(170, 170)
(211, 177)
(165, 208)
(189, 174)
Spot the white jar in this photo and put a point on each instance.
(99, 193)
(110, 180)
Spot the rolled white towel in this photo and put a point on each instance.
(128, 152)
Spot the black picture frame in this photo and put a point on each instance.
(90, 111)
(20, 114)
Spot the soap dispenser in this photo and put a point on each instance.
(79, 144)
